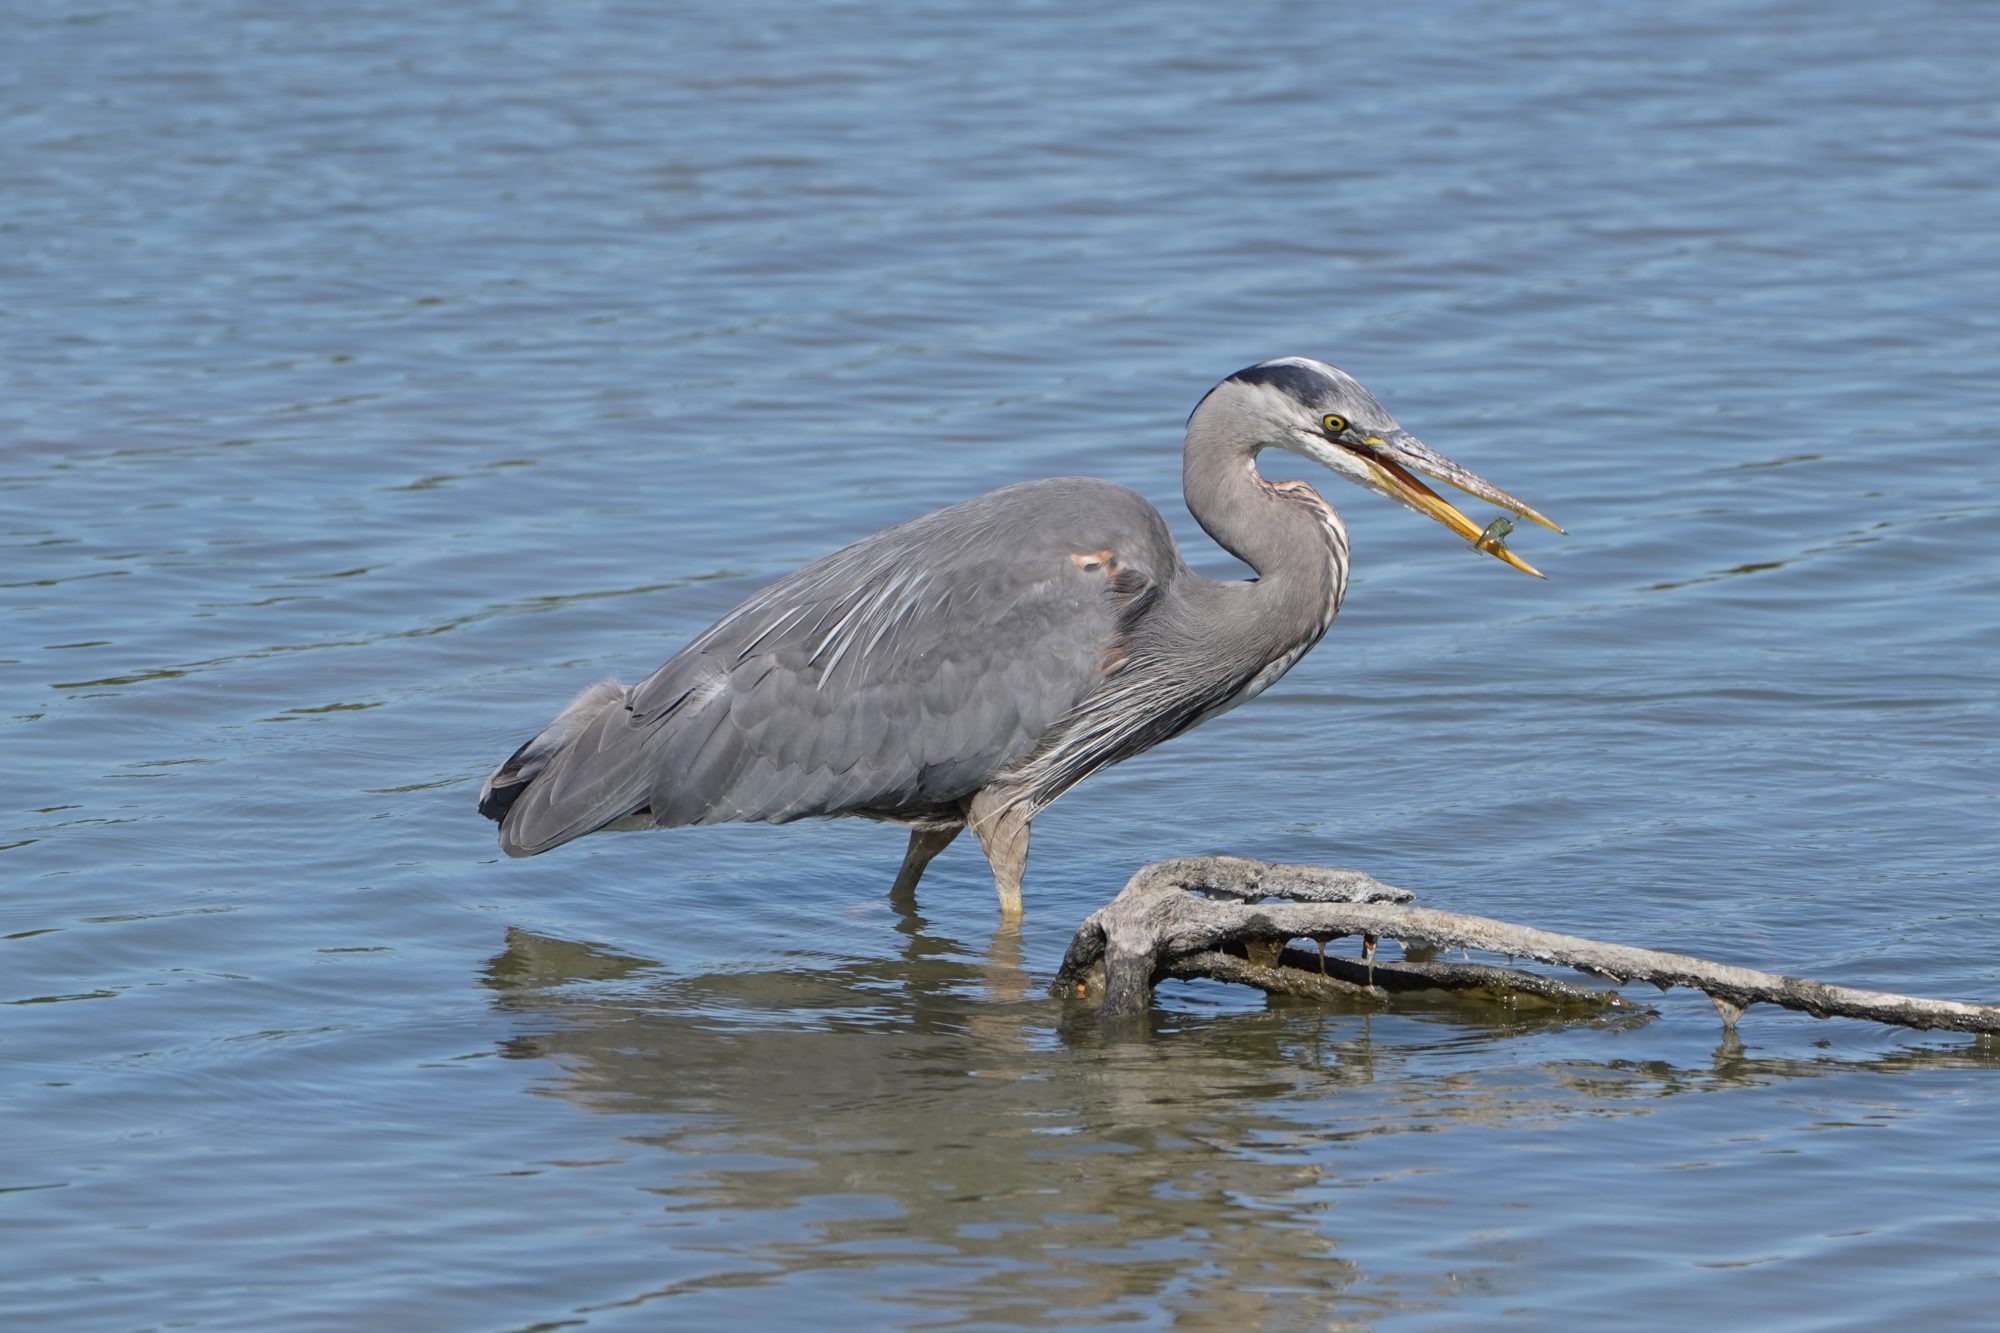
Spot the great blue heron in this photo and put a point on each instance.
(971, 665)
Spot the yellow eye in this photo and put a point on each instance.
(1334, 423)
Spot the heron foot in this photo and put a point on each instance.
(925, 844)
(1002, 827)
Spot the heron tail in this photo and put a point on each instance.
(515, 779)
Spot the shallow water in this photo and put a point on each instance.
(375, 380)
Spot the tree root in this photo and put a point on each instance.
(1230, 918)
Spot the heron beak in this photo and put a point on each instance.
(1396, 458)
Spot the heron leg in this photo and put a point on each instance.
(924, 845)
(1002, 826)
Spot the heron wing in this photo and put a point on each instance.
(894, 677)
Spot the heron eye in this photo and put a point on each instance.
(1334, 423)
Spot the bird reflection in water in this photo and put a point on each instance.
(929, 1112)
(923, 1113)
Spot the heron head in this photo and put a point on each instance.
(1324, 414)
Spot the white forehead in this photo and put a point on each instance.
(1346, 383)
(1299, 387)
(1308, 385)
(1309, 364)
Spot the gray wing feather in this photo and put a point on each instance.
(895, 676)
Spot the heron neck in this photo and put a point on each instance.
(1287, 534)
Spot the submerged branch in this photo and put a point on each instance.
(1323, 977)
(1229, 918)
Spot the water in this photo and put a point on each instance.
(375, 379)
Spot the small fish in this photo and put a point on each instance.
(1494, 539)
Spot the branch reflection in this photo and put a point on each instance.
(930, 1113)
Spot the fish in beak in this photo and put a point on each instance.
(1393, 462)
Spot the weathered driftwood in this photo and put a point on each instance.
(1230, 918)
(1325, 977)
